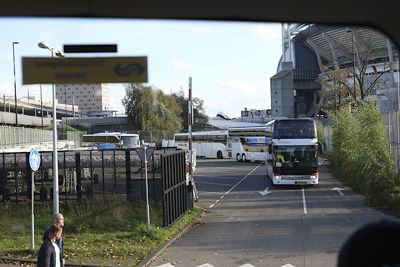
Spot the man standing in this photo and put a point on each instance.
(49, 253)
(57, 218)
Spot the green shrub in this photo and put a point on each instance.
(361, 155)
(320, 133)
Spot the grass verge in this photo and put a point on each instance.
(102, 232)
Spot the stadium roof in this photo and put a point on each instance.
(338, 43)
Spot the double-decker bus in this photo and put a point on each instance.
(249, 143)
(292, 156)
(205, 143)
(111, 140)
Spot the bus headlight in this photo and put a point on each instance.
(277, 175)
(314, 175)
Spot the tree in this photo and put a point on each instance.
(345, 80)
(200, 118)
(151, 109)
(335, 92)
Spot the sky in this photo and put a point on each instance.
(230, 63)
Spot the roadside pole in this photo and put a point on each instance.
(147, 189)
(34, 162)
(190, 117)
(145, 154)
(32, 214)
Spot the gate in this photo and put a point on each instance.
(174, 187)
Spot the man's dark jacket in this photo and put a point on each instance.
(47, 254)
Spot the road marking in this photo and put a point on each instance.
(213, 183)
(304, 201)
(339, 190)
(208, 177)
(265, 192)
(233, 187)
(288, 265)
(209, 265)
(207, 192)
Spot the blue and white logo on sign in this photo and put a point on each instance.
(34, 160)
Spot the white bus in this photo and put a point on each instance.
(205, 143)
(111, 140)
(293, 152)
(249, 143)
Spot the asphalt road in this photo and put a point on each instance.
(249, 222)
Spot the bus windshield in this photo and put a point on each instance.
(294, 129)
(292, 159)
(130, 141)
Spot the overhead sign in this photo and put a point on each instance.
(141, 152)
(100, 48)
(34, 160)
(84, 70)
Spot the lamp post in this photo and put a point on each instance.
(15, 85)
(354, 59)
(41, 104)
(45, 45)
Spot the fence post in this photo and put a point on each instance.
(102, 172)
(78, 176)
(128, 173)
(16, 177)
(28, 175)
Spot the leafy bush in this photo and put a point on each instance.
(361, 155)
(320, 133)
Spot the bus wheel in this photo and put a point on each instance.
(243, 157)
(238, 158)
(219, 155)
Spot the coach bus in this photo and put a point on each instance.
(249, 143)
(205, 143)
(292, 156)
(111, 140)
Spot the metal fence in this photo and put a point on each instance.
(86, 174)
(12, 136)
(174, 186)
(391, 120)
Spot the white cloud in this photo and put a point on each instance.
(232, 97)
(264, 31)
(181, 65)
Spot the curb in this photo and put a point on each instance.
(155, 254)
(12, 261)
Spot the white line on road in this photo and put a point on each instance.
(218, 178)
(265, 192)
(304, 201)
(339, 190)
(233, 187)
(213, 183)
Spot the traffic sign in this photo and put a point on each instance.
(141, 152)
(34, 160)
(84, 70)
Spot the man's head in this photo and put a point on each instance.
(55, 231)
(58, 218)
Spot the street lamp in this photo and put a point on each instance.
(354, 59)
(45, 45)
(15, 85)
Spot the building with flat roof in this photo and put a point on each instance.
(89, 97)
